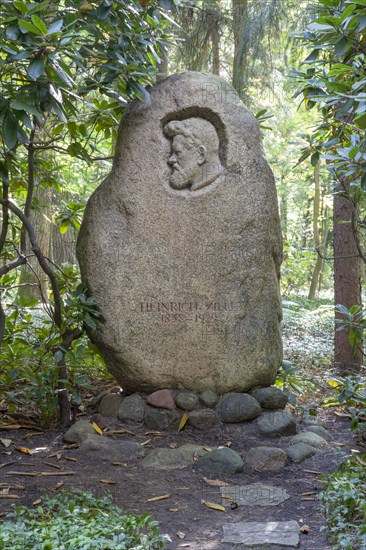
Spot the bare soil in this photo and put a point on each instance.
(182, 511)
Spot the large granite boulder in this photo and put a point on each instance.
(181, 245)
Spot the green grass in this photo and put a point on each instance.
(78, 521)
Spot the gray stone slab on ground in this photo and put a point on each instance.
(106, 448)
(181, 244)
(255, 494)
(78, 432)
(173, 459)
(251, 534)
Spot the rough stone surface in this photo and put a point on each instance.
(159, 419)
(78, 432)
(106, 448)
(270, 398)
(237, 407)
(173, 459)
(132, 409)
(320, 430)
(265, 458)
(221, 461)
(252, 534)
(209, 398)
(310, 438)
(109, 404)
(186, 400)
(181, 245)
(276, 423)
(255, 494)
(299, 451)
(162, 399)
(203, 419)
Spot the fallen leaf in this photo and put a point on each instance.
(71, 459)
(72, 446)
(57, 466)
(57, 455)
(360, 460)
(154, 433)
(7, 464)
(181, 535)
(24, 450)
(108, 481)
(118, 432)
(6, 442)
(183, 421)
(312, 472)
(32, 434)
(216, 482)
(162, 497)
(145, 442)
(45, 474)
(7, 486)
(173, 445)
(119, 464)
(213, 505)
(173, 510)
(18, 426)
(97, 429)
(208, 449)
(185, 545)
(36, 502)
(305, 529)
(3, 495)
(58, 486)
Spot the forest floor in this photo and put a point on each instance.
(181, 513)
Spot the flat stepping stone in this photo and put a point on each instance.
(173, 459)
(299, 452)
(265, 458)
(106, 448)
(276, 423)
(221, 461)
(255, 494)
(310, 438)
(251, 534)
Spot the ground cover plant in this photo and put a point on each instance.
(78, 520)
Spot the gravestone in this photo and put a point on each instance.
(181, 245)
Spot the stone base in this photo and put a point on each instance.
(164, 409)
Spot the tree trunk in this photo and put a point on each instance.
(347, 283)
(215, 40)
(325, 232)
(316, 238)
(239, 13)
(32, 278)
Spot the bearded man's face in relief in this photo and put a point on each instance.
(186, 160)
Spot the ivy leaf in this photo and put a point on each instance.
(10, 130)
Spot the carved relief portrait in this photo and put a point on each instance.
(194, 156)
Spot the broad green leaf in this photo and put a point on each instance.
(41, 25)
(10, 130)
(56, 26)
(342, 45)
(29, 27)
(36, 69)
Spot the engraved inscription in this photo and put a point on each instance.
(194, 156)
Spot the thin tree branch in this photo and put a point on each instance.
(42, 261)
